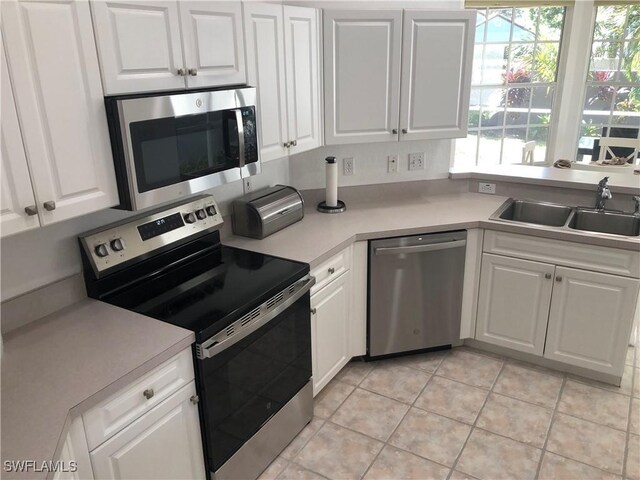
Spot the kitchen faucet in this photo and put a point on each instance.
(603, 193)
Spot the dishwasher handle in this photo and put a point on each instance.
(430, 247)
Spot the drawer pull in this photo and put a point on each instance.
(313, 311)
(558, 278)
(148, 393)
(194, 399)
(547, 276)
(332, 270)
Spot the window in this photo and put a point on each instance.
(612, 95)
(513, 84)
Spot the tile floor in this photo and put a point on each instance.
(465, 414)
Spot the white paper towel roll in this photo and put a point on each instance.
(331, 196)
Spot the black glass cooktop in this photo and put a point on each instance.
(211, 290)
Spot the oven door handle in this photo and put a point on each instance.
(240, 125)
(211, 347)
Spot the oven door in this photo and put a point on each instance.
(247, 377)
(177, 145)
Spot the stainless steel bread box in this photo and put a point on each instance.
(263, 212)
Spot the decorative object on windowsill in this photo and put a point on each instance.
(527, 152)
(613, 161)
(562, 163)
(331, 203)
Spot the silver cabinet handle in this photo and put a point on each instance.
(49, 206)
(31, 210)
(194, 399)
(181, 72)
(193, 72)
(286, 144)
(313, 311)
(558, 278)
(148, 393)
(294, 143)
(331, 270)
(547, 276)
(394, 131)
(404, 130)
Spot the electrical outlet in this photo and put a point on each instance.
(247, 186)
(392, 164)
(348, 165)
(487, 188)
(416, 161)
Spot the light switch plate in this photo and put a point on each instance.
(487, 188)
(392, 164)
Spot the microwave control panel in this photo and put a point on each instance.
(143, 234)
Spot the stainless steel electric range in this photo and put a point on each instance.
(249, 312)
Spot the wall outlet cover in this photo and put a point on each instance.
(487, 188)
(348, 166)
(392, 164)
(247, 186)
(416, 161)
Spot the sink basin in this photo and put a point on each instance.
(606, 222)
(539, 213)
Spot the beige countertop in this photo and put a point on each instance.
(56, 368)
(625, 183)
(318, 236)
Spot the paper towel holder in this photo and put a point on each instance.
(340, 205)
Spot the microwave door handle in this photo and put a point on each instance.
(240, 126)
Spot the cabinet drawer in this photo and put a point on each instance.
(559, 252)
(331, 269)
(113, 414)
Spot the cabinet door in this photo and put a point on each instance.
(590, 319)
(330, 331)
(513, 303)
(17, 192)
(437, 52)
(139, 45)
(213, 43)
(163, 444)
(264, 32)
(303, 94)
(361, 75)
(52, 57)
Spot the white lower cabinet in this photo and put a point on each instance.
(330, 330)
(576, 316)
(590, 318)
(165, 443)
(513, 305)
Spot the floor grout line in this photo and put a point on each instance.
(548, 434)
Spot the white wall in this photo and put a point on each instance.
(39, 257)
(307, 169)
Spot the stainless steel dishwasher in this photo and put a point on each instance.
(415, 292)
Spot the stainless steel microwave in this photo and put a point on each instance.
(167, 146)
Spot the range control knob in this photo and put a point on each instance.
(190, 217)
(117, 245)
(102, 250)
(201, 214)
(211, 210)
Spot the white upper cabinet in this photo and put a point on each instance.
(303, 93)
(139, 45)
(56, 80)
(362, 52)
(213, 43)
(283, 63)
(17, 192)
(164, 45)
(264, 32)
(437, 54)
(590, 319)
(365, 100)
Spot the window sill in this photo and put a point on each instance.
(623, 183)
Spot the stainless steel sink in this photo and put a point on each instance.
(538, 213)
(589, 220)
